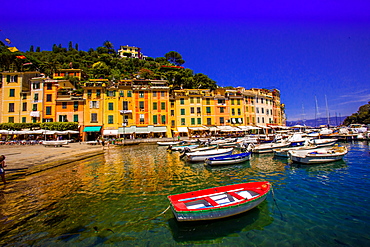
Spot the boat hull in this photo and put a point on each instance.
(318, 156)
(218, 202)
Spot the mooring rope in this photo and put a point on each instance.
(273, 196)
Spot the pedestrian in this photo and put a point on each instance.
(2, 166)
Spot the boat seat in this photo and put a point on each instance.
(235, 195)
(211, 201)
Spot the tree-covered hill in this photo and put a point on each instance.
(103, 62)
(362, 116)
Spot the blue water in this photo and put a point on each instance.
(118, 200)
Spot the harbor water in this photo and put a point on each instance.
(120, 199)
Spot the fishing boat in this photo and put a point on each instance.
(55, 143)
(202, 155)
(317, 156)
(228, 159)
(218, 202)
(168, 143)
(266, 147)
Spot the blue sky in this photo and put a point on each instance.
(306, 49)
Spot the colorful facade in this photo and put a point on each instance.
(135, 108)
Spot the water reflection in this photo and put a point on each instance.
(255, 219)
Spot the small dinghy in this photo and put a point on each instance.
(228, 159)
(318, 156)
(218, 202)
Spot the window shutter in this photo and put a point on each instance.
(97, 104)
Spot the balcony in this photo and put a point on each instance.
(125, 111)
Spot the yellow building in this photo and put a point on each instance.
(15, 98)
(63, 73)
(130, 51)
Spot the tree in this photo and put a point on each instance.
(31, 48)
(361, 117)
(38, 49)
(174, 57)
(76, 47)
(70, 46)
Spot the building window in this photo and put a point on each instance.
(111, 93)
(94, 117)
(198, 100)
(24, 106)
(89, 93)
(155, 119)
(172, 123)
(192, 121)
(208, 110)
(198, 110)
(129, 93)
(11, 107)
(233, 111)
(24, 119)
(11, 120)
(110, 119)
(232, 102)
(64, 105)
(141, 105)
(209, 121)
(49, 86)
(191, 100)
(239, 111)
(48, 97)
(208, 101)
(98, 93)
(155, 94)
(182, 121)
(34, 107)
(94, 104)
(222, 109)
(155, 106)
(182, 111)
(63, 118)
(11, 78)
(142, 118)
(238, 101)
(172, 113)
(163, 119)
(163, 93)
(262, 110)
(75, 105)
(222, 120)
(199, 121)
(48, 110)
(24, 96)
(110, 106)
(163, 105)
(11, 92)
(192, 110)
(36, 97)
(121, 93)
(125, 105)
(141, 94)
(75, 118)
(182, 101)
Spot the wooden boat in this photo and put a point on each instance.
(317, 156)
(228, 159)
(202, 155)
(323, 142)
(197, 149)
(218, 202)
(267, 147)
(168, 143)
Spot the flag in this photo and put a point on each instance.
(13, 49)
(8, 41)
(21, 57)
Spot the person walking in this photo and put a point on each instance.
(2, 166)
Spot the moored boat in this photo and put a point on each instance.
(168, 143)
(218, 202)
(267, 147)
(183, 147)
(323, 142)
(283, 152)
(202, 155)
(317, 156)
(228, 159)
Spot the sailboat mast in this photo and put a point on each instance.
(327, 111)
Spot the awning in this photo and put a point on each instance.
(110, 132)
(159, 129)
(92, 129)
(197, 128)
(142, 130)
(182, 129)
(126, 130)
